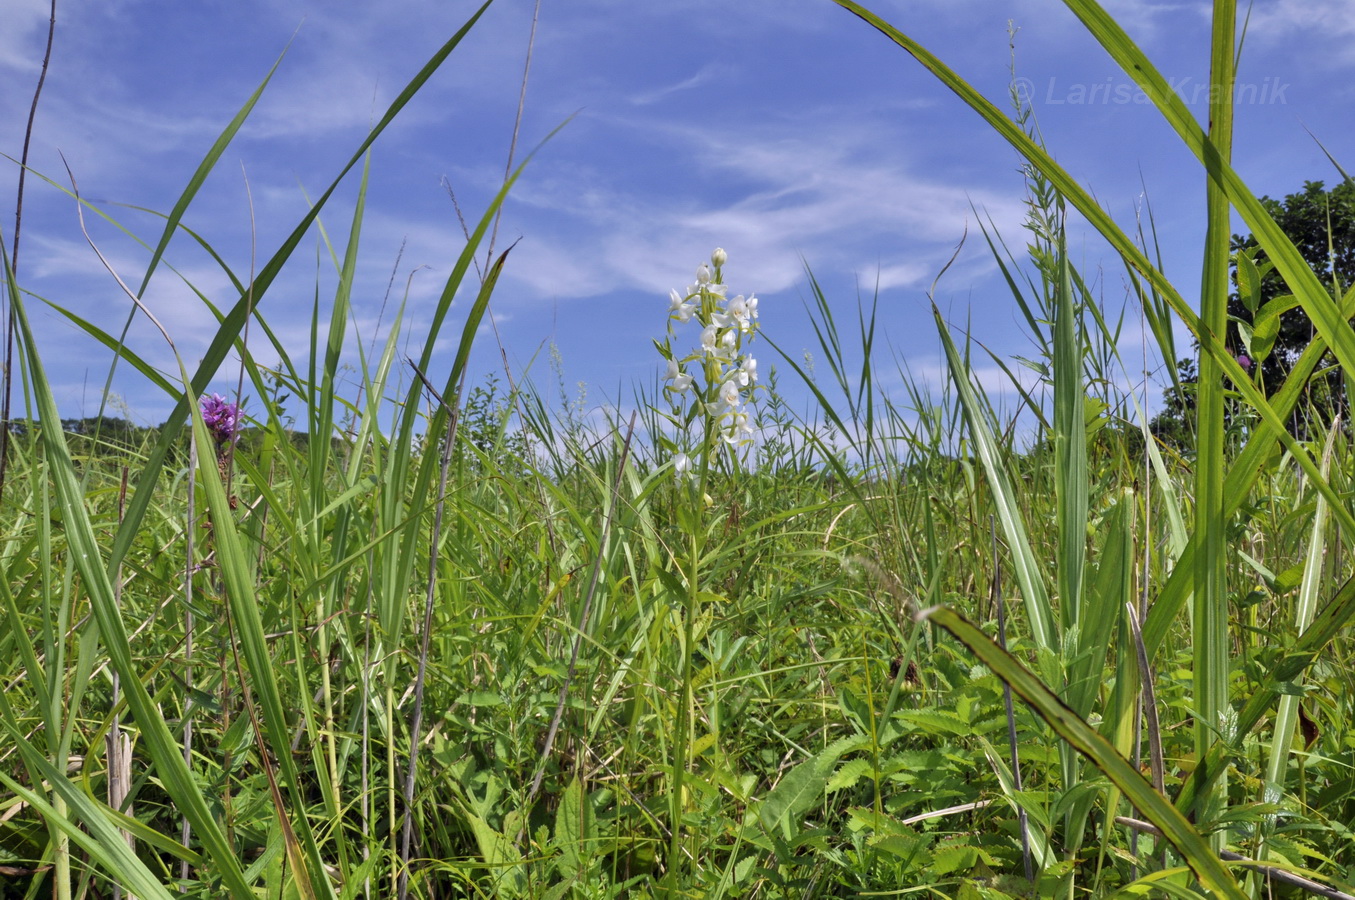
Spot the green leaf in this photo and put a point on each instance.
(950, 858)
(852, 771)
(1266, 325)
(573, 828)
(1244, 330)
(936, 721)
(1248, 281)
(802, 786)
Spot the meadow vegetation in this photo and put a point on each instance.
(446, 640)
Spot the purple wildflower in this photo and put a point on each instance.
(1244, 361)
(222, 418)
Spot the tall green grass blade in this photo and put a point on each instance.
(200, 174)
(1070, 450)
(99, 837)
(249, 641)
(1212, 151)
(1209, 641)
(119, 347)
(1028, 576)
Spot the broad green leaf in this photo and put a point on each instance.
(1266, 326)
(573, 828)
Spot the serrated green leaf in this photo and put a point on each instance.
(936, 721)
(949, 858)
(848, 774)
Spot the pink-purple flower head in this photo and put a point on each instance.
(222, 418)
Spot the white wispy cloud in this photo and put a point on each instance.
(1325, 26)
(704, 75)
(23, 39)
(819, 198)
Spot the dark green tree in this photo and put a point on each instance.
(1321, 224)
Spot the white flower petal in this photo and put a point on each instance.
(709, 336)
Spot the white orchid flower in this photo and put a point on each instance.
(739, 429)
(681, 380)
(682, 466)
(746, 374)
(729, 396)
(709, 335)
(680, 307)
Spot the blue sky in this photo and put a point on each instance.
(785, 132)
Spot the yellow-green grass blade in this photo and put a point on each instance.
(1070, 727)
(1209, 640)
(1028, 574)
